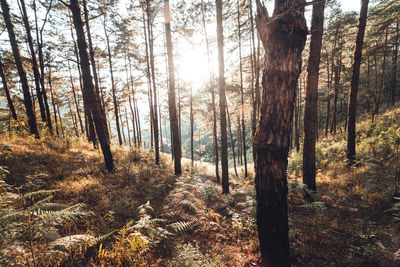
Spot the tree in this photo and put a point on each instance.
(222, 101)
(176, 143)
(21, 71)
(355, 79)
(7, 92)
(283, 36)
(88, 89)
(311, 103)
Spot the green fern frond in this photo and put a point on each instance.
(49, 233)
(73, 214)
(180, 227)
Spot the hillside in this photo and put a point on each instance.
(59, 208)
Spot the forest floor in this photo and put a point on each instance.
(141, 215)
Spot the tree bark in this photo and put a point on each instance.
(75, 98)
(21, 71)
(311, 103)
(7, 92)
(52, 99)
(222, 100)
(88, 87)
(283, 36)
(176, 143)
(355, 79)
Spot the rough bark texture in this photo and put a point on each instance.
(176, 143)
(311, 103)
(222, 101)
(88, 89)
(7, 92)
(21, 71)
(283, 36)
(355, 79)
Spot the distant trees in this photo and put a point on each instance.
(283, 36)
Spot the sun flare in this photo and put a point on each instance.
(193, 67)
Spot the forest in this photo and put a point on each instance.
(199, 133)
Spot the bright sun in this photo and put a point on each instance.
(193, 67)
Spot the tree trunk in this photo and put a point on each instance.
(75, 98)
(53, 100)
(394, 69)
(222, 101)
(176, 143)
(7, 92)
(35, 67)
(191, 128)
(311, 103)
(338, 71)
(113, 89)
(153, 77)
(21, 71)
(239, 138)
(61, 124)
(283, 36)
(211, 73)
(241, 86)
(88, 89)
(39, 39)
(355, 79)
(232, 144)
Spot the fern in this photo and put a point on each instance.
(32, 196)
(100, 239)
(12, 216)
(180, 227)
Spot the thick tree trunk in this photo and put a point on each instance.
(394, 69)
(7, 92)
(88, 89)
(311, 103)
(222, 100)
(241, 86)
(355, 79)
(283, 36)
(21, 71)
(176, 143)
(338, 71)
